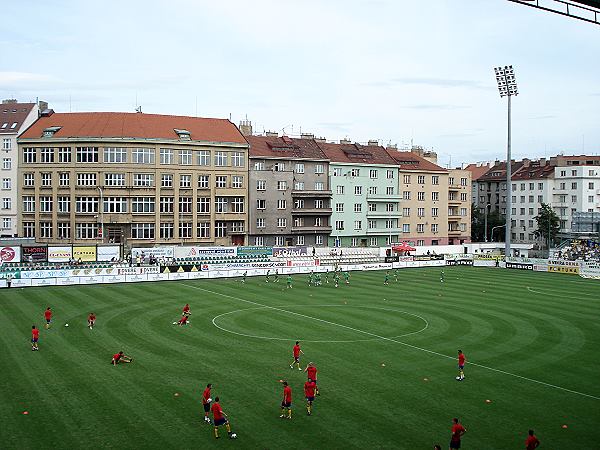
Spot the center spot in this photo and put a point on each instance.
(321, 323)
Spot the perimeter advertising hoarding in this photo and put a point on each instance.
(159, 252)
(10, 254)
(283, 252)
(204, 252)
(108, 252)
(34, 253)
(60, 254)
(255, 251)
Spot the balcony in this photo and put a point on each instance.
(383, 198)
(454, 201)
(312, 212)
(230, 216)
(455, 232)
(455, 187)
(305, 193)
(311, 229)
(384, 231)
(383, 215)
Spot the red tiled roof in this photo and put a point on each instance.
(477, 171)
(11, 113)
(134, 125)
(356, 153)
(412, 161)
(500, 169)
(534, 171)
(284, 147)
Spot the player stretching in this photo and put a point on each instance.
(347, 277)
(48, 317)
(35, 335)
(220, 418)
(336, 279)
(327, 276)
(91, 320)
(181, 322)
(120, 358)
(310, 278)
(206, 400)
(276, 280)
(442, 276)
(309, 392)
(396, 274)
(461, 366)
(289, 282)
(186, 310)
(286, 402)
(386, 279)
(457, 433)
(244, 275)
(312, 375)
(267, 276)
(297, 353)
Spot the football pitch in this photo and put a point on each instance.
(386, 357)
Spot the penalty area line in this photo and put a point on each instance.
(414, 347)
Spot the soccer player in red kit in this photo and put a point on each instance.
(457, 433)
(120, 358)
(186, 310)
(297, 352)
(461, 366)
(309, 392)
(35, 335)
(91, 320)
(183, 321)
(206, 400)
(532, 442)
(220, 418)
(312, 375)
(48, 317)
(286, 402)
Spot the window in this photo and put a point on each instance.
(319, 186)
(142, 156)
(574, 185)
(221, 204)
(319, 204)
(14, 125)
(6, 142)
(185, 157)
(358, 224)
(281, 222)
(6, 203)
(406, 212)
(434, 227)
(406, 195)
(142, 204)
(47, 155)
(260, 222)
(86, 179)
(339, 224)
(562, 186)
(64, 230)
(185, 205)
(185, 230)
(435, 179)
(373, 173)
(354, 242)
(355, 172)
(318, 221)
(463, 212)
(166, 205)
(28, 204)
(46, 230)
(406, 179)
(115, 155)
(406, 227)
(166, 230)
(143, 179)
(64, 156)
(590, 199)
(29, 229)
(237, 159)
(6, 163)
(357, 190)
(29, 155)
(281, 204)
(220, 161)
(357, 207)
(115, 205)
(339, 190)
(531, 186)
(337, 171)
(420, 212)
(373, 241)
(279, 240)
(166, 157)
(435, 196)
(114, 179)
(299, 221)
(463, 181)
(203, 230)
(420, 228)
(389, 190)
(6, 183)
(390, 207)
(185, 181)
(390, 174)
(46, 179)
(64, 204)
(203, 205)
(573, 198)
(142, 231)
(421, 196)
(298, 204)
(261, 204)
(372, 190)
(259, 241)
(221, 181)
(237, 181)
(339, 207)
(237, 204)
(282, 185)
(87, 154)
(299, 168)
(63, 179)
(319, 239)
(530, 211)
(421, 179)
(531, 197)
(298, 185)
(86, 204)
(203, 181)
(319, 169)
(261, 185)
(522, 186)
(166, 180)
(463, 196)
(28, 180)
(204, 160)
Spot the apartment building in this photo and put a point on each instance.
(477, 170)
(492, 187)
(133, 178)
(366, 201)
(289, 194)
(15, 117)
(459, 206)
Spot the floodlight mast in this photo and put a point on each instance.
(507, 86)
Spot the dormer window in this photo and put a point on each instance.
(184, 135)
(14, 125)
(49, 132)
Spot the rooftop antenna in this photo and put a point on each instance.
(196, 106)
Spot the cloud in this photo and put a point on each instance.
(547, 116)
(440, 107)
(426, 81)
(17, 78)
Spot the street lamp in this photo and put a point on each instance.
(492, 234)
(485, 213)
(507, 86)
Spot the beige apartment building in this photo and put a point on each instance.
(459, 206)
(134, 179)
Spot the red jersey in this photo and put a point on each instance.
(48, 314)
(217, 411)
(309, 388)
(35, 333)
(457, 430)
(296, 351)
(184, 319)
(461, 359)
(287, 394)
(116, 356)
(531, 443)
(206, 395)
(312, 373)
(186, 308)
(91, 317)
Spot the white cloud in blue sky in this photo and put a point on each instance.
(390, 70)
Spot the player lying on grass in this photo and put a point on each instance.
(120, 358)
(186, 310)
(182, 321)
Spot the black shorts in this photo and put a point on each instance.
(286, 404)
(310, 399)
(221, 421)
(454, 444)
(207, 407)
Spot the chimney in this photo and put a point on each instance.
(42, 105)
(542, 161)
(392, 147)
(320, 139)
(307, 136)
(271, 134)
(345, 141)
(9, 101)
(373, 143)
(46, 113)
(246, 127)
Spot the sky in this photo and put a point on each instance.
(400, 71)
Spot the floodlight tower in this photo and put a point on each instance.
(507, 85)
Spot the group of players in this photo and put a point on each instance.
(35, 332)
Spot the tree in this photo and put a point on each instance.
(478, 224)
(548, 224)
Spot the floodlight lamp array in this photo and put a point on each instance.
(507, 83)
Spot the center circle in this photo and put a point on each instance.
(288, 309)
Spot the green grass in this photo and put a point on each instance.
(539, 326)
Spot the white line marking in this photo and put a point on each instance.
(320, 341)
(397, 342)
(558, 295)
